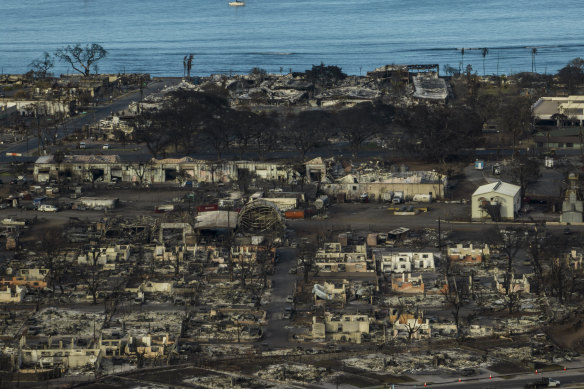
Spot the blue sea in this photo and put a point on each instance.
(153, 36)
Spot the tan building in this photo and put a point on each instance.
(552, 109)
(342, 328)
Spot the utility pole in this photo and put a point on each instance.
(439, 236)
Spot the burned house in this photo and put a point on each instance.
(331, 258)
(65, 353)
(407, 283)
(404, 262)
(340, 328)
(468, 253)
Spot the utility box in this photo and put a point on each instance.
(549, 162)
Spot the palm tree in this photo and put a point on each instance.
(533, 53)
(189, 65)
(462, 60)
(484, 52)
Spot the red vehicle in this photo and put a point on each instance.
(208, 208)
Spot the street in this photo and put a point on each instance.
(77, 122)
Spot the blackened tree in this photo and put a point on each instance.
(524, 171)
(82, 59)
(308, 129)
(515, 117)
(41, 66)
(438, 133)
(361, 122)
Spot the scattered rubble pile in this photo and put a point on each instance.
(294, 372)
(213, 381)
(448, 362)
(52, 321)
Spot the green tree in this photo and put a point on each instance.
(82, 59)
(572, 75)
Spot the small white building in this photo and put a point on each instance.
(496, 201)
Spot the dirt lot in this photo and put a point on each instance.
(569, 335)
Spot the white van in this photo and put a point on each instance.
(47, 208)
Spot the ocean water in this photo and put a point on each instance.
(152, 36)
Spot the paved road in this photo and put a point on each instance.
(276, 334)
(77, 122)
(376, 218)
(511, 383)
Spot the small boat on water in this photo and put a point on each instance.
(236, 3)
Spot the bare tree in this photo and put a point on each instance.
(82, 59)
(515, 117)
(111, 302)
(308, 129)
(41, 66)
(539, 247)
(361, 122)
(512, 241)
(52, 242)
(93, 275)
(456, 295)
(524, 171)
(562, 279)
(307, 259)
(410, 318)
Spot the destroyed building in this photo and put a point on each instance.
(404, 262)
(468, 253)
(376, 185)
(339, 327)
(331, 258)
(407, 283)
(108, 168)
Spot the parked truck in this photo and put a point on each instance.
(398, 198)
(386, 197)
(544, 382)
(422, 198)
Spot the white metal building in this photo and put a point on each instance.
(497, 201)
